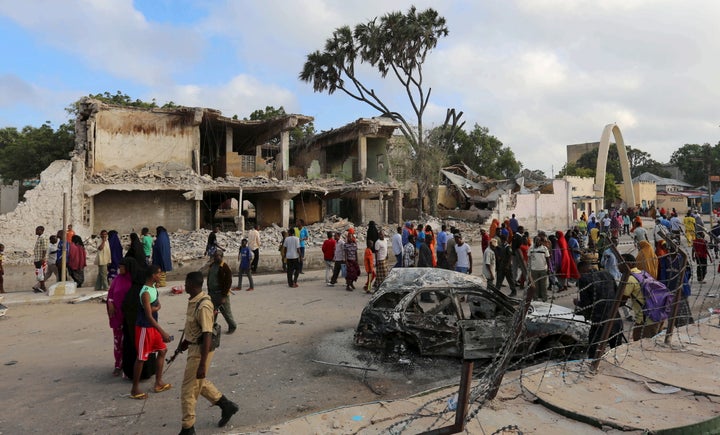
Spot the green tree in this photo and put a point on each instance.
(484, 153)
(612, 192)
(572, 169)
(395, 44)
(640, 162)
(297, 135)
(697, 162)
(25, 154)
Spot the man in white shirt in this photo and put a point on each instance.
(464, 255)
(338, 259)
(381, 253)
(397, 247)
(294, 260)
(254, 245)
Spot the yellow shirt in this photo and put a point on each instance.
(104, 257)
(634, 292)
(198, 320)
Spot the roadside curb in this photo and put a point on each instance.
(11, 299)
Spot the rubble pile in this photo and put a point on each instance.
(187, 245)
(190, 245)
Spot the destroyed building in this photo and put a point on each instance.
(184, 167)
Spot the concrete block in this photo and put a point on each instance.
(62, 288)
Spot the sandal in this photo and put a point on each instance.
(117, 372)
(139, 396)
(163, 388)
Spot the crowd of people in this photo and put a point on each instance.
(509, 256)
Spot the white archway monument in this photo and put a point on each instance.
(599, 185)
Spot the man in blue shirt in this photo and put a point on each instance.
(302, 233)
(514, 224)
(440, 248)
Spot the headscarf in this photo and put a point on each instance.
(136, 249)
(493, 228)
(646, 259)
(509, 230)
(372, 234)
(116, 253)
(118, 291)
(568, 268)
(161, 255)
(77, 260)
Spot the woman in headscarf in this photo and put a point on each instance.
(161, 255)
(116, 296)
(129, 307)
(351, 260)
(372, 234)
(136, 249)
(492, 232)
(506, 225)
(568, 268)
(77, 260)
(432, 243)
(116, 254)
(646, 259)
(555, 260)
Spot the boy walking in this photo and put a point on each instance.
(245, 256)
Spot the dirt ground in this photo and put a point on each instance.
(57, 363)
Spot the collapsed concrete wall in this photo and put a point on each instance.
(42, 205)
(539, 211)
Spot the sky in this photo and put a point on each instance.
(539, 74)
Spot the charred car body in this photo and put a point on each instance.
(465, 318)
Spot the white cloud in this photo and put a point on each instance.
(240, 96)
(109, 36)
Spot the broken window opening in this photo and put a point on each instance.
(247, 163)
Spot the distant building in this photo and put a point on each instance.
(574, 152)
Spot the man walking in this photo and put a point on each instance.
(489, 263)
(198, 340)
(245, 257)
(302, 234)
(397, 247)
(504, 266)
(442, 238)
(219, 281)
(464, 255)
(39, 255)
(381, 254)
(597, 298)
(539, 259)
(254, 245)
(338, 258)
(294, 257)
(102, 260)
(328, 250)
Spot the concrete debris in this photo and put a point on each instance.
(190, 245)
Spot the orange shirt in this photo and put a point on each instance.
(369, 261)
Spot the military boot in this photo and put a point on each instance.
(228, 410)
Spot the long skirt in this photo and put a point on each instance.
(353, 271)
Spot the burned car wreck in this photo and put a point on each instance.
(444, 313)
